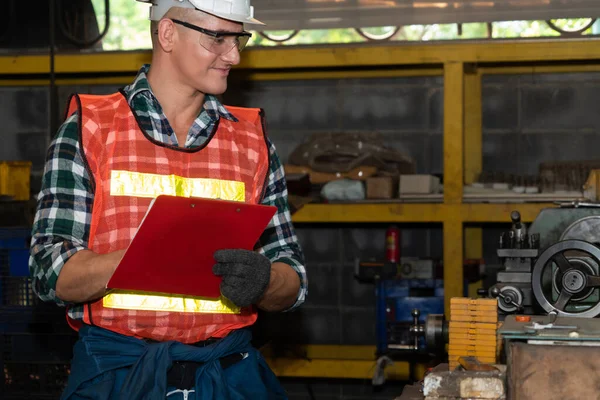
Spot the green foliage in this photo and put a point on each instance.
(129, 25)
(130, 29)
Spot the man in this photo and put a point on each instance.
(165, 129)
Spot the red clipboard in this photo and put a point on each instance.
(172, 251)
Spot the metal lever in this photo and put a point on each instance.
(507, 299)
(416, 329)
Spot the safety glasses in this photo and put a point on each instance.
(218, 42)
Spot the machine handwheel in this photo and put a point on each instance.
(573, 279)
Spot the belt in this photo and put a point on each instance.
(182, 374)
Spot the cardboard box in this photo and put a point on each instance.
(381, 187)
(419, 184)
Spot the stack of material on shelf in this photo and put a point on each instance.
(474, 383)
(473, 330)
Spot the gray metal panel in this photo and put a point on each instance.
(386, 106)
(322, 325)
(417, 145)
(353, 292)
(514, 277)
(310, 14)
(495, 151)
(358, 326)
(325, 283)
(24, 115)
(321, 245)
(555, 115)
(557, 107)
(309, 105)
(437, 155)
(436, 110)
(556, 146)
(500, 107)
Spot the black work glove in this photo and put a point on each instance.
(245, 273)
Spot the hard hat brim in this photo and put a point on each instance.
(254, 21)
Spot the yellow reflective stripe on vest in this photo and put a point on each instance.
(151, 302)
(138, 184)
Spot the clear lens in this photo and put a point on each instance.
(223, 44)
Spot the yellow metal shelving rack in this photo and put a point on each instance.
(460, 63)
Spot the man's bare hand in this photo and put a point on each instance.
(283, 288)
(84, 277)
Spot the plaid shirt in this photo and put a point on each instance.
(62, 221)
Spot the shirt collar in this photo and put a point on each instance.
(140, 85)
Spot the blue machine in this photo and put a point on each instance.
(396, 299)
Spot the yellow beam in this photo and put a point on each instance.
(70, 81)
(327, 352)
(106, 62)
(501, 212)
(401, 212)
(454, 86)
(539, 69)
(453, 262)
(473, 141)
(422, 53)
(341, 74)
(101, 62)
(335, 369)
(331, 56)
(365, 212)
(24, 64)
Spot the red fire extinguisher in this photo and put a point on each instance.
(392, 244)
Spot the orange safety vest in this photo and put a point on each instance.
(129, 168)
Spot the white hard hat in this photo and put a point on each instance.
(233, 10)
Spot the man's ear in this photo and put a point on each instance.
(166, 35)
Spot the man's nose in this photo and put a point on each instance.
(232, 56)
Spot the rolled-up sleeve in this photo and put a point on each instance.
(279, 241)
(64, 206)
